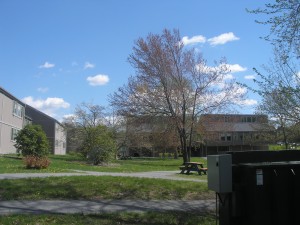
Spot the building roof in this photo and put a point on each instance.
(234, 123)
(43, 114)
(5, 92)
(235, 127)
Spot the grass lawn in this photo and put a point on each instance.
(71, 162)
(103, 187)
(148, 218)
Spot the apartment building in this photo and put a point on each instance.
(12, 118)
(14, 115)
(234, 132)
(54, 130)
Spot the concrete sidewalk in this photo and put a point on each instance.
(102, 206)
(169, 175)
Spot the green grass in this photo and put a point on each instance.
(103, 187)
(147, 218)
(282, 147)
(72, 162)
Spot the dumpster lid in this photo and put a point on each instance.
(271, 164)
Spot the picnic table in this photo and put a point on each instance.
(193, 166)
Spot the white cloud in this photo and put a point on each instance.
(193, 40)
(228, 77)
(98, 80)
(249, 77)
(48, 106)
(234, 68)
(67, 116)
(248, 102)
(47, 65)
(43, 90)
(89, 65)
(223, 39)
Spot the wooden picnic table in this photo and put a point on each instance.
(193, 166)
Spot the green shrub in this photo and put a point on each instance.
(32, 141)
(35, 162)
(99, 145)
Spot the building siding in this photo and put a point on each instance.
(12, 118)
(60, 140)
(8, 121)
(55, 132)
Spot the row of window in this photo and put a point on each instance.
(244, 119)
(238, 136)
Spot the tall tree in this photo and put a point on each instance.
(88, 129)
(173, 81)
(279, 87)
(279, 83)
(284, 21)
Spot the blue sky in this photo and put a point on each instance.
(57, 54)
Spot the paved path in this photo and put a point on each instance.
(103, 206)
(170, 175)
(92, 207)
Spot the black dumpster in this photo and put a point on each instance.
(265, 189)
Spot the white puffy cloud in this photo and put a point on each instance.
(48, 106)
(89, 65)
(223, 39)
(98, 80)
(228, 77)
(249, 77)
(249, 102)
(193, 40)
(47, 65)
(234, 68)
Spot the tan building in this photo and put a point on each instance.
(233, 132)
(14, 115)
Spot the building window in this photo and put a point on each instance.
(249, 119)
(56, 143)
(64, 145)
(18, 109)
(14, 133)
(225, 137)
(228, 137)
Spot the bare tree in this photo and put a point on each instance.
(175, 82)
(279, 84)
(283, 18)
(279, 89)
(89, 115)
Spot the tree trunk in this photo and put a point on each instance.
(183, 143)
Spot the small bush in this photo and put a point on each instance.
(36, 162)
(32, 140)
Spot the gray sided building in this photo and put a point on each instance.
(54, 130)
(234, 132)
(11, 120)
(14, 115)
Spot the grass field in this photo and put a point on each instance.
(104, 187)
(147, 218)
(73, 162)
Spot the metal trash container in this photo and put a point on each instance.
(265, 189)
